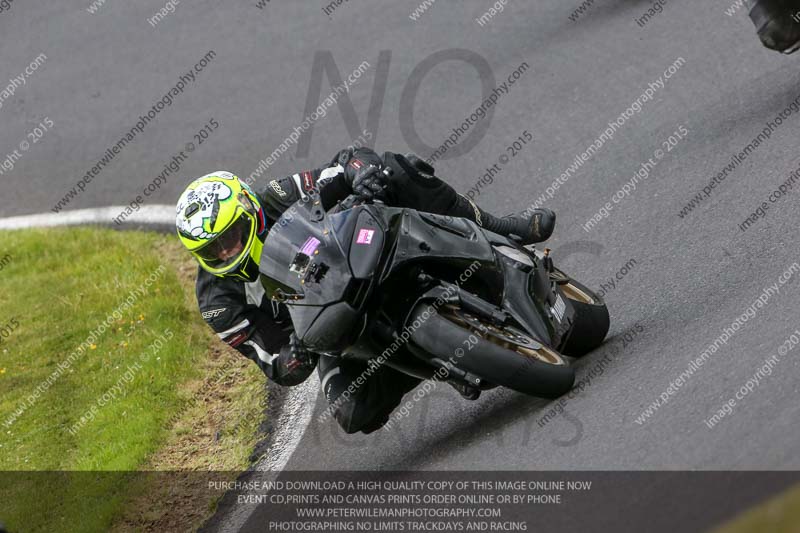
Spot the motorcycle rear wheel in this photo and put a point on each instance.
(591, 318)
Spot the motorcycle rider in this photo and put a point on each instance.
(223, 223)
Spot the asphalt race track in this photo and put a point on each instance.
(678, 281)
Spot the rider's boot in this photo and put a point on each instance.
(528, 227)
(777, 23)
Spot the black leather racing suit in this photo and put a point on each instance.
(259, 328)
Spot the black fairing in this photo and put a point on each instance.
(365, 245)
(456, 242)
(305, 263)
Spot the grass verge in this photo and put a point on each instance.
(778, 515)
(106, 368)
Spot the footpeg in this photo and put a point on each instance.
(452, 370)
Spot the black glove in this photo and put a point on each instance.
(295, 363)
(369, 183)
(422, 166)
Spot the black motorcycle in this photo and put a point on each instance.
(429, 295)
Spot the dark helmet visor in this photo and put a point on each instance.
(228, 247)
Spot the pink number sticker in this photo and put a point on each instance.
(310, 246)
(365, 236)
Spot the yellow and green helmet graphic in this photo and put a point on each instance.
(219, 221)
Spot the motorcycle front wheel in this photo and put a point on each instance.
(502, 356)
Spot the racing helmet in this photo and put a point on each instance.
(221, 222)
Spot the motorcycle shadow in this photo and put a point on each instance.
(502, 418)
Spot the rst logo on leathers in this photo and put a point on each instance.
(214, 313)
(277, 188)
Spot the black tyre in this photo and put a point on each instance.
(591, 318)
(499, 355)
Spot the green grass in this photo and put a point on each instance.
(778, 515)
(58, 287)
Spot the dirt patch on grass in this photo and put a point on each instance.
(210, 439)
